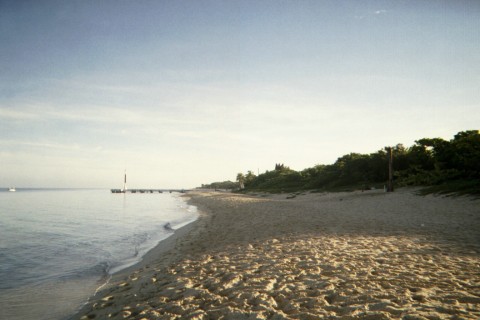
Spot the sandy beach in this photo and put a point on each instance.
(358, 255)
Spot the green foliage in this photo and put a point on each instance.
(283, 179)
(229, 185)
(250, 177)
(429, 162)
(280, 167)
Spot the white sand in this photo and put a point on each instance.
(361, 255)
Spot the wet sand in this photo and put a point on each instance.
(359, 255)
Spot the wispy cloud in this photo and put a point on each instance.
(371, 14)
(93, 114)
(47, 145)
(10, 114)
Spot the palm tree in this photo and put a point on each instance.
(241, 180)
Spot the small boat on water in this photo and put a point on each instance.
(12, 189)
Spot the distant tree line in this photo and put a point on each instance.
(428, 162)
(228, 185)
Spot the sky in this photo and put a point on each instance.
(181, 93)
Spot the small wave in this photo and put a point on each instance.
(100, 270)
(167, 226)
(137, 251)
(192, 209)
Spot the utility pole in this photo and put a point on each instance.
(390, 170)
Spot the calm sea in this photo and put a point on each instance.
(57, 246)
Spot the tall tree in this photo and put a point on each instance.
(241, 180)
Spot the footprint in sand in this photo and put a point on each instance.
(108, 298)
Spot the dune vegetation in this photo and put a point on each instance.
(440, 165)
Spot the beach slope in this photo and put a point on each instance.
(358, 255)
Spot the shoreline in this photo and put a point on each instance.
(162, 248)
(151, 256)
(343, 255)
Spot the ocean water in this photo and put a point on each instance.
(57, 246)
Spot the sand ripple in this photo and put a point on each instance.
(342, 275)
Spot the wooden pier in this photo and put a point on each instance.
(125, 190)
(147, 190)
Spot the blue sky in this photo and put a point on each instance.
(181, 93)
